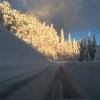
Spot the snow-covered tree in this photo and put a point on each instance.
(42, 37)
(70, 46)
(69, 39)
(93, 52)
(89, 47)
(85, 50)
(62, 36)
(81, 50)
(97, 56)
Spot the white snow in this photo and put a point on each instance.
(14, 50)
(20, 62)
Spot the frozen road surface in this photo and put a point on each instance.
(72, 80)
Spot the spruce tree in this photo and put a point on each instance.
(70, 47)
(93, 52)
(85, 50)
(81, 50)
(69, 38)
(89, 47)
(62, 36)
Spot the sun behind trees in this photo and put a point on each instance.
(43, 37)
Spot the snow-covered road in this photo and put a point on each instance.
(71, 80)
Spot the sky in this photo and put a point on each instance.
(74, 16)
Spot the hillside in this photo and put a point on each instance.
(18, 61)
(14, 50)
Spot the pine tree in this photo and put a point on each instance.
(62, 36)
(70, 46)
(93, 52)
(89, 47)
(74, 45)
(69, 38)
(85, 50)
(81, 50)
(51, 26)
(44, 23)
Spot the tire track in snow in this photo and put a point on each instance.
(68, 91)
(61, 87)
(52, 92)
(14, 87)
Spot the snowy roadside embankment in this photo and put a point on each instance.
(14, 50)
(18, 60)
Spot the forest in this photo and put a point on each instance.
(45, 39)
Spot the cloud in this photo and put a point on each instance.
(18, 4)
(25, 3)
(72, 15)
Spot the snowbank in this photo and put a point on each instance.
(14, 51)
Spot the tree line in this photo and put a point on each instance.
(44, 38)
(88, 49)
